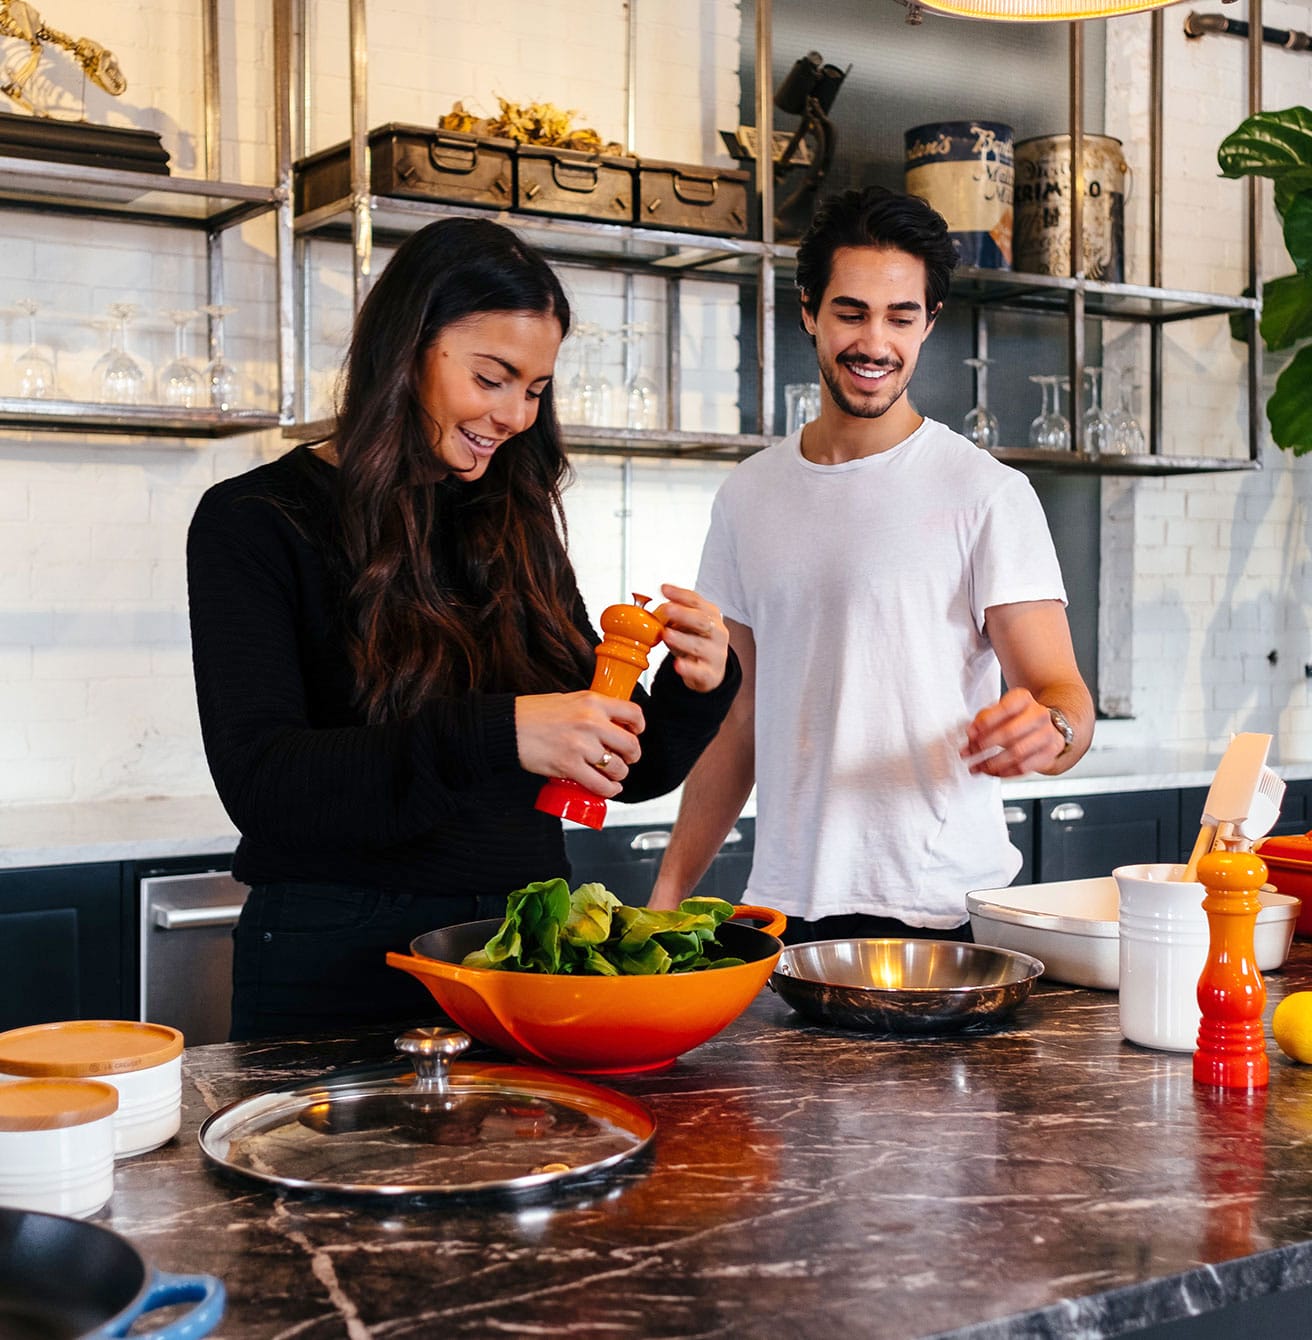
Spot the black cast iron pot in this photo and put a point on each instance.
(63, 1278)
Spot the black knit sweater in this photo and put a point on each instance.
(437, 805)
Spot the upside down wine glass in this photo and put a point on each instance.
(980, 424)
(221, 377)
(180, 381)
(1097, 422)
(36, 372)
(642, 397)
(1127, 435)
(120, 377)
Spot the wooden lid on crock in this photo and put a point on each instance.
(78, 1048)
(51, 1104)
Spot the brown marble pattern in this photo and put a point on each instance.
(1041, 1178)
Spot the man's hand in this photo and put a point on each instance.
(1014, 736)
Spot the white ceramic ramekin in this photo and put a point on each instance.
(142, 1061)
(57, 1145)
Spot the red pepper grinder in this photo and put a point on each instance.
(1231, 1052)
(629, 633)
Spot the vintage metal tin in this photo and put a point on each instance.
(574, 184)
(693, 198)
(1043, 218)
(964, 169)
(417, 163)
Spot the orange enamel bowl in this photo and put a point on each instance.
(594, 1025)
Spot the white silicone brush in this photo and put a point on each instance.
(1245, 796)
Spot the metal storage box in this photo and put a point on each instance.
(416, 162)
(691, 198)
(579, 185)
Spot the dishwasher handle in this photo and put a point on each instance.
(193, 918)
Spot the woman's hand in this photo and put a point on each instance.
(696, 636)
(587, 737)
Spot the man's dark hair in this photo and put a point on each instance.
(874, 216)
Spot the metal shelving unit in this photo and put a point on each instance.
(363, 219)
(208, 204)
(1080, 299)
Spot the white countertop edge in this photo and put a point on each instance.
(158, 827)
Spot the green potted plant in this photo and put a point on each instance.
(1279, 145)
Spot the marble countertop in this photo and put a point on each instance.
(154, 827)
(1042, 1178)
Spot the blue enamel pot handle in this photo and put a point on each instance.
(165, 1290)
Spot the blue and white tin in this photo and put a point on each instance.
(966, 171)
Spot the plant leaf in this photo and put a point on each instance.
(1290, 185)
(1269, 144)
(1298, 231)
(1286, 310)
(1289, 410)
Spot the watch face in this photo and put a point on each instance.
(1064, 726)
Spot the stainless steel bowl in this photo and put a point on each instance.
(903, 986)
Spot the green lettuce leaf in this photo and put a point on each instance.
(547, 929)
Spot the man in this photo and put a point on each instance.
(877, 572)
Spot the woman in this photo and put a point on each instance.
(391, 653)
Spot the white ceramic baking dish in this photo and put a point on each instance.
(1072, 926)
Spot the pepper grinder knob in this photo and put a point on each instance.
(1231, 1052)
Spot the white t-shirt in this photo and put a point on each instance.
(865, 586)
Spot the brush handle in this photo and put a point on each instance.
(1206, 837)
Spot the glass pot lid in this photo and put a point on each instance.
(443, 1128)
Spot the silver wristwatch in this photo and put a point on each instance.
(1065, 727)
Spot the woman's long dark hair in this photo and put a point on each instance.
(451, 585)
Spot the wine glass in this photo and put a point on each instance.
(590, 390)
(981, 424)
(36, 372)
(221, 377)
(121, 378)
(1097, 422)
(1040, 425)
(1059, 426)
(180, 381)
(1127, 435)
(642, 397)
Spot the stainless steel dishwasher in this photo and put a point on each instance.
(186, 951)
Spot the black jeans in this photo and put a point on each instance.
(860, 926)
(310, 958)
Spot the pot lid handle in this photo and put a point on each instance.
(432, 1050)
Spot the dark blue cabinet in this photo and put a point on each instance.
(66, 936)
(626, 860)
(1084, 837)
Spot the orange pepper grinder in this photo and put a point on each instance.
(1231, 1052)
(629, 632)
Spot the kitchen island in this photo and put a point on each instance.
(1039, 1178)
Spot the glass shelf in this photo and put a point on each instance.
(1069, 462)
(395, 218)
(141, 197)
(584, 440)
(77, 416)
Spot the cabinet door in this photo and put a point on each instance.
(1083, 837)
(1020, 831)
(61, 945)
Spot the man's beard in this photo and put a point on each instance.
(863, 408)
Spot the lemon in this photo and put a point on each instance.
(1291, 1026)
